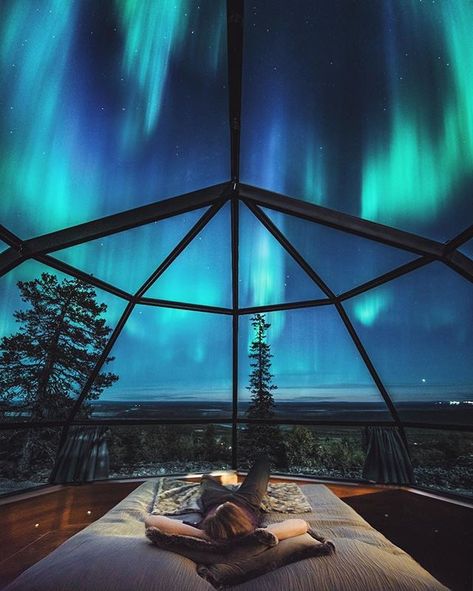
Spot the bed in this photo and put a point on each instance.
(112, 554)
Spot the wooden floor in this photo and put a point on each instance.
(438, 534)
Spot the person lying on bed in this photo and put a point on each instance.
(228, 514)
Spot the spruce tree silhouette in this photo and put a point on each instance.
(262, 438)
(44, 365)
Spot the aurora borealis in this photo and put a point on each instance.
(370, 109)
(363, 107)
(107, 106)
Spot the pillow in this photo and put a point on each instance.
(229, 573)
(210, 552)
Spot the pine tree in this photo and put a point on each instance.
(44, 365)
(261, 438)
(261, 386)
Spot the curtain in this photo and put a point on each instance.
(84, 456)
(387, 459)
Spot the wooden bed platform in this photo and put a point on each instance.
(437, 533)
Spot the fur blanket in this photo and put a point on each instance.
(179, 497)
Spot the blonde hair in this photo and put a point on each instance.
(228, 521)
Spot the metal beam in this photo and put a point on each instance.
(374, 374)
(86, 277)
(235, 237)
(159, 271)
(191, 234)
(284, 242)
(460, 239)
(124, 220)
(235, 13)
(184, 306)
(9, 259)
(389, 276)
(342, 221)
(10, 238)
(287, 306)
(461, 264)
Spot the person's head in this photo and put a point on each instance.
(228, 521)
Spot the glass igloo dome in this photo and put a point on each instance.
(175, 173)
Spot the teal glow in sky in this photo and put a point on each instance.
(364, 107)
(417, 331)
(106, 106)
(268, 274)
(342, 260)
(168, 355)
(202, 273)
(314, 359)
(128, 258)
(416, 170)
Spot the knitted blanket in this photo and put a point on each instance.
(178, 497)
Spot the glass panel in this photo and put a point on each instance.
(201, 274)
(342, 260)
(128, 258)
(363, 107)
(3, 246)
(153, 450)
(49, 349)
(467, 248)
(130, 107)
(26, 457)
(171, 364)
(268, 274)
(442, 460)
(417, 331)
(317, 369)
(319, 451)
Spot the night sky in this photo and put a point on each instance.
(363, 107)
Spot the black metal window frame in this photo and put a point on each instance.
(214, 198)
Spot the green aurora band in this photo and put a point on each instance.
(414, 172)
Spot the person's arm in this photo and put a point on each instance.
(288, 528)
(174, 526)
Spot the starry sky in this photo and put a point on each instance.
(364, 107)
(108, 105)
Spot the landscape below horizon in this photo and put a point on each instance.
(451, 412)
